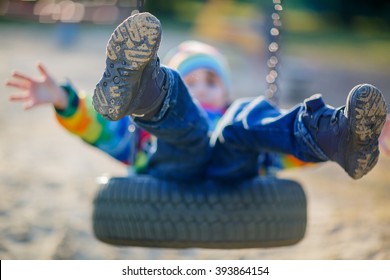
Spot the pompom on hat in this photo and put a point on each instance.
(193, 55)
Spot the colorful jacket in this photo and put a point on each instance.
(130, 145)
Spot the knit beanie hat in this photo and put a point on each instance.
(193, 55)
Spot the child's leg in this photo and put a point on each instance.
(181, 129)
(155, 97)
(312, 132)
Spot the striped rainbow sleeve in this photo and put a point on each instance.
(272, 163)
(114, 138)
(289, 161)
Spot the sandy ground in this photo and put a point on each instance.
(48, 177)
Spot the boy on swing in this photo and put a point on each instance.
(184, 109)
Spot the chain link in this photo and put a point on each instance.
(272, 91)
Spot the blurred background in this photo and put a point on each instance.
(47, 177)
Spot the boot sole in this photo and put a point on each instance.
(132, 45)
(366, 111)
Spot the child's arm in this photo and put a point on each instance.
(75, 113)
(81, 119)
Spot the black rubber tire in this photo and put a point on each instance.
(144, 211)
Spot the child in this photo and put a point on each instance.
(168, 105)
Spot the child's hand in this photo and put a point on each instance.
(384, 139)
(37, 91)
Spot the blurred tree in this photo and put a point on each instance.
(168, 8)
(164, 8)
(347, 10)
(232, 22)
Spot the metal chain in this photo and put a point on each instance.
(140, 5)
(272, 91)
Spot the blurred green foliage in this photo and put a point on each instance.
(347, 11)
(174, 9)
(340, 12)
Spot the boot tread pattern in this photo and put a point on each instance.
(132, 45)
(134, 41)
(368, 117)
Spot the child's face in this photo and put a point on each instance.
(206, 87)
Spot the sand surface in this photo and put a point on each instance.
(48, 177)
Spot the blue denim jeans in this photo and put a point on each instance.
(186, 150)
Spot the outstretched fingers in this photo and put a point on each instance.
(18, 75)
(42, 70)
(19, 97)
(18, 84)
(19, 81)
(27, 100)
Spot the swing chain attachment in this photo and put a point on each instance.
(139, 7)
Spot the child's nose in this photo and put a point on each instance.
(201, 90)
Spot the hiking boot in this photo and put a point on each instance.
(349, 135)
(133, 82)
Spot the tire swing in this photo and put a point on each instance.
(258, 213)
